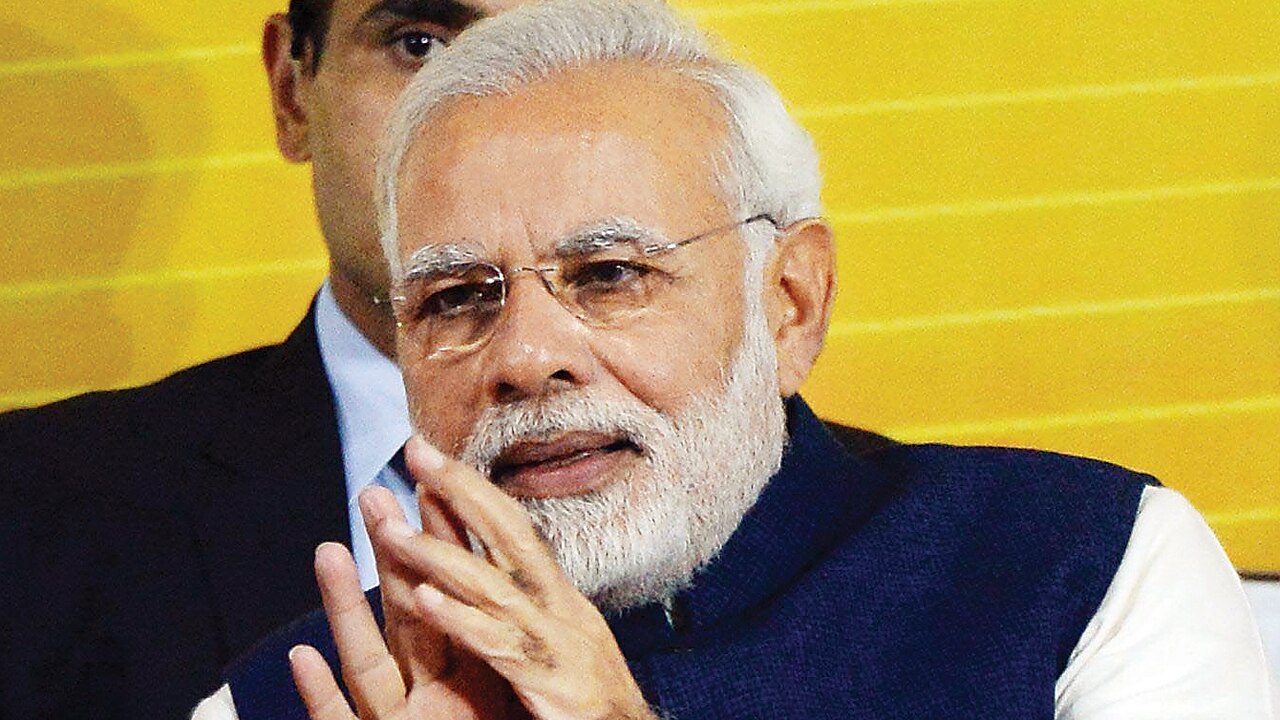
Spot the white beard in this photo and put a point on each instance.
(643, 537)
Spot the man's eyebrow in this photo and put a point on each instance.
(605, 234)
(433, 260)
(445, 13)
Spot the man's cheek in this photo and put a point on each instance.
(443, 423)
(665, 380)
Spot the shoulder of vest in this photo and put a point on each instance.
(1013, 469)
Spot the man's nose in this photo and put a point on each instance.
(538, 347)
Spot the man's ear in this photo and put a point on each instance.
(286, 77)
(800, 287)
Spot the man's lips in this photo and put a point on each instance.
(567, 464)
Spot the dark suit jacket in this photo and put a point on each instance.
(149, 536)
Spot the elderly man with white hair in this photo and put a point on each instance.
(611, 279)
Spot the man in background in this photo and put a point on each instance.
(151, 535)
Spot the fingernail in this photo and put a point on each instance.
(328, 553)
(428, 455)
(397, 528)
(368, 502)
(376, 502)
(298, 651)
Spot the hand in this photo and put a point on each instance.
(513, 608)
(448, 610)
(429, 687)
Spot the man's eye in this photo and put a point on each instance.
(609, 275)
(461, 299)
(414, 46)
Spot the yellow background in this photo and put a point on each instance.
(1059, 220)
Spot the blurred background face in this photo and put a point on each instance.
(371, 49)
(626, 443)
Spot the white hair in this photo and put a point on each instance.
(767, 163)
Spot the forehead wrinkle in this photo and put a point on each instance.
(605, 234)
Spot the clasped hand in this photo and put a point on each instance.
(502, 634)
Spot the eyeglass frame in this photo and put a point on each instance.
(502, 279)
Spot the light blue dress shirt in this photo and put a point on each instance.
(373, 420)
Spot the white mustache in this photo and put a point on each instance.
(500, 428)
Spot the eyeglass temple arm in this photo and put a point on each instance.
(666, 247)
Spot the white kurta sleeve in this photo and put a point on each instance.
(218, 706)
(1173, 638)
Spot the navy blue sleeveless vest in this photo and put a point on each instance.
(916, 582)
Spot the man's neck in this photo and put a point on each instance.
(371, 317)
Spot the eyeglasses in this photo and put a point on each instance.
(450, 301)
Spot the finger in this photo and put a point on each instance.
(462, 574)
(316, 685)
(377, 504)
(371, 674)
(497, 519)
(437, 520)
(420, 651)
(555, 672)
(511, 650)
